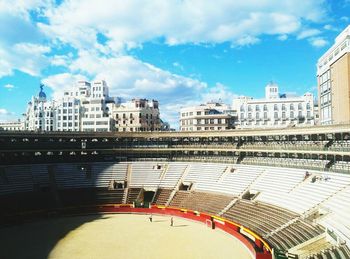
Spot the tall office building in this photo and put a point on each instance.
(333, 76)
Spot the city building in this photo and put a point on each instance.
(206, 117)
(333, 76)
(88, 107)
(137, 115)
(40, 113)
(275, 110)
(12, 125)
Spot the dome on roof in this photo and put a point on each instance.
(42, 95)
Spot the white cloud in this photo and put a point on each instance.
(282, 37)
(318, 42)
(21, 44)
(60, 83)
(128, 77)
(128, 24)
(26, 57)
(178, 65)
(5, 115)
(308, 33)
(9, 86)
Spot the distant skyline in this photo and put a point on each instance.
(178, 52)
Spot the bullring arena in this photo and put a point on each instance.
(272, 194)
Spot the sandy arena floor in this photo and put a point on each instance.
(118, 236)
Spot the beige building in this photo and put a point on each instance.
(206, 117)
(137, 115)
(333, 76)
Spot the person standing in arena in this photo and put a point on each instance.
(150, 218)
(172, 221)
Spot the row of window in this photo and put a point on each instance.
(65, 111)
(203, 121)
(265, 115)
(131, 116)
(275, 107)
(67, 117)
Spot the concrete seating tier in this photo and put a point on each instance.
(201, 201)
(294, 234)
(172, 175)
(147, 174)
(264, 219)
(162, 196)
(16, 179)
(133, 194)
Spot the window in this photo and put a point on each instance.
(292, 115)
(198, 113)
(265, 115)
(291, 107)
(276, 115)
(242, 108)
(242, 115)
(265, 107)
(283, 107)
(300, 106)
(249, 108)
(275, 107)
(257, 108)
(308, 106)
(308, 115)
(257, 115)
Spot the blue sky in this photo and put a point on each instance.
(179, 52)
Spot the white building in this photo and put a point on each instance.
(12, 125)
(40, 113)
(96, 109)
(274, 110)
(137, 115)
(206, 117)
(88, 107)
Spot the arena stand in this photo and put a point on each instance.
(290, 188)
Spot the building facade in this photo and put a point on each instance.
(12, 125)
(137, 115)
(207, 117)
(333, 77)
(88, 107)
(275, 110)
(40, 113)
